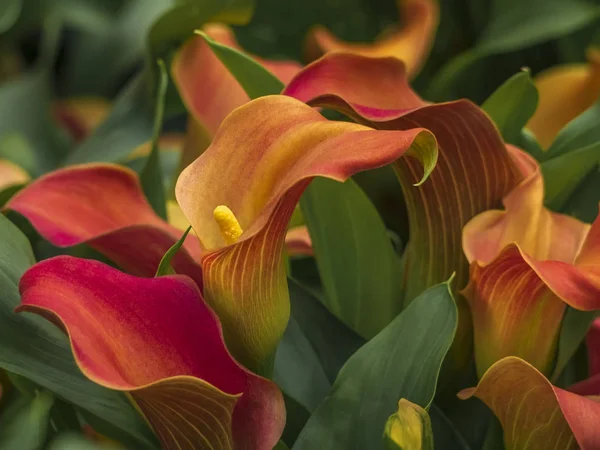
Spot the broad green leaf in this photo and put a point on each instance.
(24, 425)
(151, 175)
(37, 350)
(512, 105)
(332, 341)
(102, 56)
(359, 268)
(583, 204)
(185, 16)
(574, 327)
(296, 417)
(409, 428)
(402, 361)
(445, 434)
(581, 132)
(9, 13)
(573, 155)
(165, 268)
(128, 126)
(516, 25)
(26, 125)
(312, 350)
(256, 80)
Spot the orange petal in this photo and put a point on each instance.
(156, 339)
(11, 174)
(298, 241)
(565, 92)
(411, 42)
(533, 413)
(103, 205)
(206, 87)
(260, 161)
(527, 262)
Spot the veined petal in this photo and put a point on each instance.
(156, 339)
(103, 205)
(260, 161)
(410, 42)
(534, 414)
(514, 312)
(11, 174)
(473, 173)
(206, 87)
(564, 93)
(524, 269)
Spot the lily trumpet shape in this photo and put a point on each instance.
(156, 340)
(535, 414)
(527, 265)
(238, 196)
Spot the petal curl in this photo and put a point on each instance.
(534, 414)
(298, 241)
(260, 161)
(410, 42)
(474, 171)
(564, 93)
(156, 339)
(103, 205)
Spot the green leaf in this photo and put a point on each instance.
(512, 105)
(574, 154)
(25, 424)
(573, 329)
(256, 80)
(165, 268)
(445, 433)
(9, 13)
(78, 442)
(359, 268)
(28, 134)
(151, 175)
(296, 416)
(583, 204)
(403, 361)
(37, 350)
(128, 126)
(516, 25)
(179, 22)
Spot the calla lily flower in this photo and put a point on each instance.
(81, 115)
(158, 341)
(534, 413)
(473, 173)
(410, 42)
(272, 148)
(298, 242)
(208, 90)
(527, 264)
(564, 93)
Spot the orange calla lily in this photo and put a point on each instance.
(527, 264)
(81, 115)
(156, 340)
(410, 42)
(535, 414)
(273, 146)
(564, 93)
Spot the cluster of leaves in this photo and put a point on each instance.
(366, 353)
